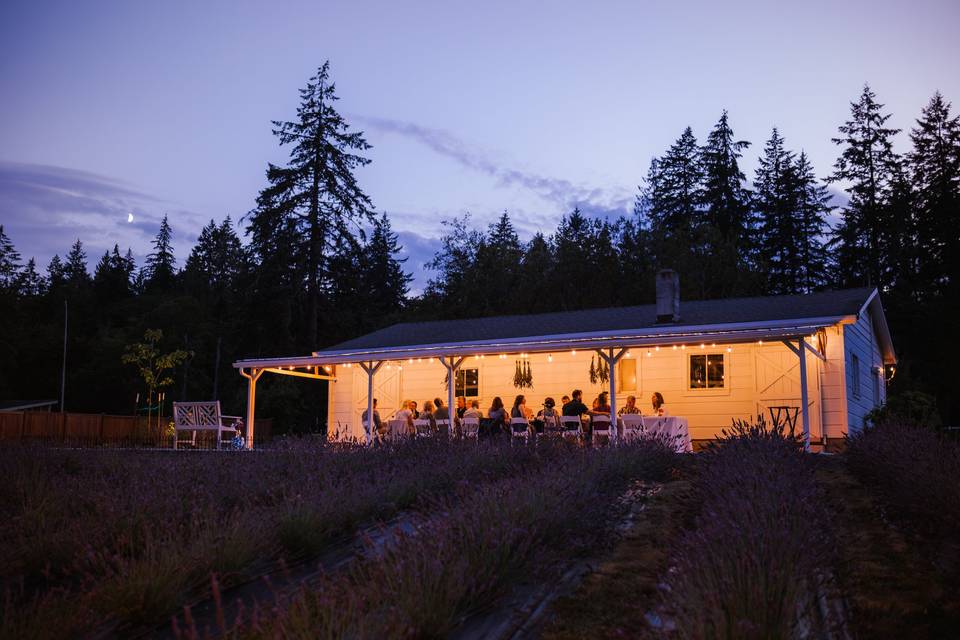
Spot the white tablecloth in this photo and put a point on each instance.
(674, 427)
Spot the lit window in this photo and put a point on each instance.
(468, 383)
(706, 371)
(627, 377)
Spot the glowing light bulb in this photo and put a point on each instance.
(683, 347)
(703, 346)
(649, 353)
(674, 347)
(656, 348)
(410, 361)
(729, 349)
(573, 352)
(549, 357)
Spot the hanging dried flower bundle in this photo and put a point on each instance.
(599, 371)
(523, 376)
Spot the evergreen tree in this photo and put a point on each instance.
(111, 277)
(496, 267)
(676, 190)
(635, 266)
(934, 166)
(812, 208)
(10, 266)
(317, 190)
(535, 293)
(867, 164)
(385, 283)
(56, 276)
(160, 267)
(728, 231)
(75, 268)
(586, 263)
(775, 202)
(30, 283)
(449, 293)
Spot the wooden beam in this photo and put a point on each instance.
(812, 349)
(298, 374)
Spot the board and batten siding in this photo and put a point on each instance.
(864, 360)
(756, 377)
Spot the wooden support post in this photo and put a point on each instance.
(612, 358)
(452, 363)
(800, 350)
(252, 378)
(804, 402)
(371, 368)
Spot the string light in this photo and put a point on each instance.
(410, 361)
(649, 353)
(419, 359)
(549, 357)
(683, 347)
(573, 352)
(760, 342)
(327, 368)
(476, 357)
(713, 345)
(482, 356)
(729, 349)
(503, 356)
(656, 348)
(674, 347)
(627, 354)
(703, 346)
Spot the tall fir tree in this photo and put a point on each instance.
(31, 284)
(774, 201)
(867, 166)
(75, 271)
(812, 208)
(160, 269)
(317, 191)
(934, 170)
(385, 283)
(728, 234)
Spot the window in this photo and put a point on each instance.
(706, 371)
(468, 383)
(855, 366)
(627, 376)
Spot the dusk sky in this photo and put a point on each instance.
(110, 108)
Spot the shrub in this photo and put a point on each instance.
(752, 564)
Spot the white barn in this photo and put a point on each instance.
(826, 356)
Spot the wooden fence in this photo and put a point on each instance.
(85, 429)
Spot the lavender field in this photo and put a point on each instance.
(751, 538)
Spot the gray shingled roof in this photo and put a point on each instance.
(699, 312)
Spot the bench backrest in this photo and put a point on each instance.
(196, 415)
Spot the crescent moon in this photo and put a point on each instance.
(129, 217)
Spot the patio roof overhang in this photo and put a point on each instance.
(661, 335)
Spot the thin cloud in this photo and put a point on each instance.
(563, 193)
(45, 208)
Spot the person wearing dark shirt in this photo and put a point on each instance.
(575, 407)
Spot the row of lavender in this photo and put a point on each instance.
(107, 540)
(476, 545)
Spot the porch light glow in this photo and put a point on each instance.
(649, 353)
(327, 368)
(627, 354)
(549, 357)
(683, 347)
(760, 342)
(729, 349)
(674, 347)
(503, 356)
(703, 346)
(410, 361)
(573, 352)
(656, 348)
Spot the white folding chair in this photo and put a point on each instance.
(423, 428)
(443, 424)
(570, 426)
(632, 426)
(519, 428)
(471, 428)
(601, 426)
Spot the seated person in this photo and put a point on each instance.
(474, 410)
(601, 405)
(657, 402)
(377, 424)
(427, 414)
(549, 414)
(575, 407)
(497, 415)
(461, 406)
(413, 410)
(630, 408)
(405, 414)
(564, 400)
(441, 413)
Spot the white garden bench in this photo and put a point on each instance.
(200, 416)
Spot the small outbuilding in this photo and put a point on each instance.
(822, 359)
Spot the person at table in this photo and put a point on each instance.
(601, 405)
(497, 415)
(575, 407)
(441, 413)
(427, 414)
(657, 401)
(413, 410)
(473, 411)
(405, 414)
(629, 409)
(549, 414)
(461, 406)
(564, 400)
(378, 430)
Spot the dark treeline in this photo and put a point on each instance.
(322, 265)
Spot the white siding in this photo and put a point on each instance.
(756, 377)
(860, 340)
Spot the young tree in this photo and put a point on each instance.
(867, 165)
(934, 168)
(317, 191)
(153, 366)
(160, 268)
